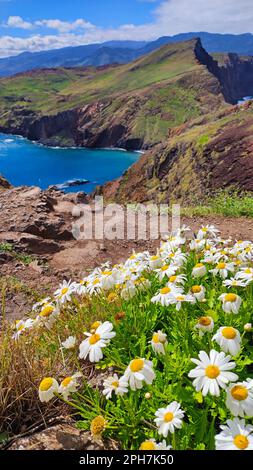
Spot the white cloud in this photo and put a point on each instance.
(65, 26)
(170, 17)
(18, 22)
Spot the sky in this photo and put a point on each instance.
(31, 25)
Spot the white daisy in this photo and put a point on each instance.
(69, 385)
(197, 244)
(166, 295)
(223, 269)
(179, 299)
(165, 271)
(204, 325)
(63, 294)
(198, 292)
(240, 398)
(69, 343)
(235, 436)
(159, 342)
(229, 339)
(169, 418)
(230, 302)
(233, 282)
(21, 326)
(95, 342)
(151, 444)
(115, 384)
(212, 372)
(138, 372)
(47, 389)
(199, 270)
(208, 230)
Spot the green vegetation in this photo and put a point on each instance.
(225, 204)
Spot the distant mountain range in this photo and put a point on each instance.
(119, 52)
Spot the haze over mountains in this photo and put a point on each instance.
(119, 52)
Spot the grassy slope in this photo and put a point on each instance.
(159, 91)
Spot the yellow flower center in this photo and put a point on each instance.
(165, 290)
(248, 271)
(115, 383)
(228, 332)
(93, 339)
(95, 325)
(66, 381)
(173, 278)
(155, 338)
(230, 297)
(64, 290)
(95, 282)
(46, 312)
(112, 297)
(46, 384)
(212, 371)
(205, 321)
(168, 417)
(241, 442)
(147, 445)
(21, 327)
(239, 392)
(199, 265)
(136, 365)
(106, 273)
(196, 289)
(221, 266)
(171, 255)
(164, 268)
(97, 426)
(154, 258)
(180, 298)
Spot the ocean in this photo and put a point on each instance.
(23, 162)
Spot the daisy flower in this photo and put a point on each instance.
(180, 298)
(63, 294)
(21, 326)
(159, 342)
(47, 389)
(199, 270)
(223, 269)
(240, 398)
(229, 339)
(115, 384)
(165, 271)
(95, 342)
(230, 302)
(245, 274)
(233, 282)
(155, 262)
(247, 327)
(151, 444)
(69, 385)
(166, 295)
(138, 372)
(169, 418)
(235, 435)
(197, 245)
(198, 292)
(204, 325)
(69, 343)
(208, 230)
(212, 372)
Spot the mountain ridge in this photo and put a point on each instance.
(120, 51)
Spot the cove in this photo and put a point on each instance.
(23, 162)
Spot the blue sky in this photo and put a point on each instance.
(31, 25)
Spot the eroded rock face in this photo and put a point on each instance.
(62, 437)
(31, 221)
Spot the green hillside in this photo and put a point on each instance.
(148, 97)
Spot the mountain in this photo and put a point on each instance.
(174, 102)
(120, 52)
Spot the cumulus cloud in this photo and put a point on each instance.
(18, 22)
(169, 17)
(64, 26)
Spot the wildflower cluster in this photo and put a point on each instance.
(155, 316)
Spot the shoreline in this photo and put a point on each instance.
(58, 147)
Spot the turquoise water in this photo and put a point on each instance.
(245, 99)
(26, 163)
